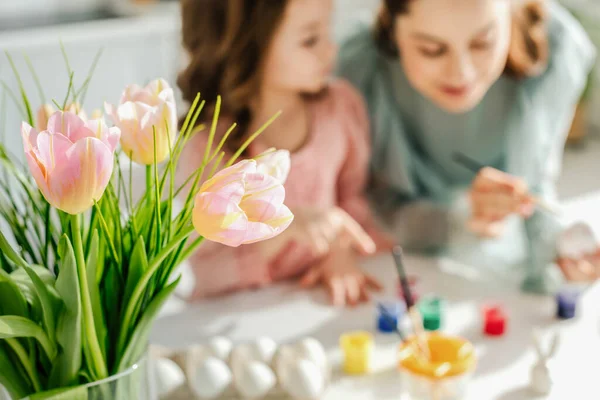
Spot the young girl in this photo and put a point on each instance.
(496, 80)
(268, 56)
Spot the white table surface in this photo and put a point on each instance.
(287, 314)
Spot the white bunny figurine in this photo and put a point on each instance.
(541, 380)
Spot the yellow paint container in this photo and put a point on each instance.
(358, 351)
(445, 375)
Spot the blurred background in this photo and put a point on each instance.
(141, 41)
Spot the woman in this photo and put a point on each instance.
(496, 80)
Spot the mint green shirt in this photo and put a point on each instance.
(520, 127)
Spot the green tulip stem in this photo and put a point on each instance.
(96, 362)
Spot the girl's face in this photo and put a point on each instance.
(301, 55)
(453, 50)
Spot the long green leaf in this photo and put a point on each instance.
(138, 264)
(48, 308)
(22, 90)
(139, 339)
(12, 326)
(76, 393)
(12, 301)
(252, 137)
(91, 263)
(10, 253)
(15, 383)
(36, 79)
(68, 332)
(27, 363)
(128, 317)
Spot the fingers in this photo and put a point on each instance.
(311, 278)
(317, 240)
(359, 239)
(353, 289)
(336, 288)
(373, 283)
(578, 270)
(493, 180)
(495, 195)
(486, 228)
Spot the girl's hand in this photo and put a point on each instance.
(345, 281)
(319, 229)
(496, 195)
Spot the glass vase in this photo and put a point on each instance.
(134, 383)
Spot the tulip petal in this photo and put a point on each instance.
(39, 173)
(52, 149)
(259, 231)
(275, 163)
(101, 131)
(228, 175)
(82, 177)
(65, 123)
(111, 111)
(219, 219)
(29, 135)
(43, 114)
(264, 195)
(134, 93)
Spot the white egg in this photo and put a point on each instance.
(193, 356)
(211, 378)
(312, 350)
(240, 356)
(285, 357)
(263, 349)
(305, 381)
(168, 376)
(220, 347)
(254, 380)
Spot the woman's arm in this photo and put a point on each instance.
(543, 116)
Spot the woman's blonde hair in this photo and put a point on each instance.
(528, 53)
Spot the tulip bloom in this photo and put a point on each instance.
(45, 112)
(142, 110)
(72, 160)
(240, 205)
(276, 163)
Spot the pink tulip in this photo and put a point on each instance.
(240, 205)
(72, 160)
(276, 163)
(140, 111)
(45, 112)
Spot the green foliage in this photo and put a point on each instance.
(78, 294)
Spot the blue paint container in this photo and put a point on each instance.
(387, 322)
(566, 303)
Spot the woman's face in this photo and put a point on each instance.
(453, 50)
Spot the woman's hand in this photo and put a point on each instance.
(583, 269)
(341, 275)
(496, 195)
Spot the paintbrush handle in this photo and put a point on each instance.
(546, 205)
(406, 292)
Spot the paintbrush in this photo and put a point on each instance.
(475, 166)
(413, 312)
